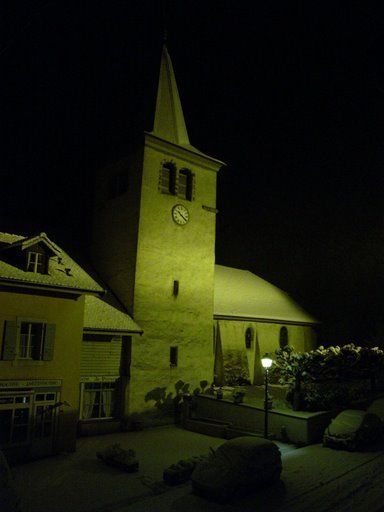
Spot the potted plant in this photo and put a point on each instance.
(238, 397)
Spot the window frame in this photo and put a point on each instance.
(14, 405)
(167, 180)
(106, 385)
(283, 337)
(12, 343)
(36, 261)
(186, 191)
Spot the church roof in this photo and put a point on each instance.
(243, 295)
(102, 317)
(63, 272)
(169, 123)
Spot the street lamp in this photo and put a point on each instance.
(266, 362)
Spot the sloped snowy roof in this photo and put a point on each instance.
(63, 272)
(241, 294)
(103, 317)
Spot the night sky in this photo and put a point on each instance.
(289, 94)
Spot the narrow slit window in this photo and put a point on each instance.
(173, 356)
(283, 341)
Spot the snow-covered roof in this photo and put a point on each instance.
(241, 294)
(99, 316)
(63, 272)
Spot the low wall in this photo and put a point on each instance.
(298, 427)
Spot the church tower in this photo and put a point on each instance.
(154, 244)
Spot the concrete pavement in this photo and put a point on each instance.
(79, 482)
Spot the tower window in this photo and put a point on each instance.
(185, 184)
(173, 356)
(283, 339)
(117, 184)
(168, 178)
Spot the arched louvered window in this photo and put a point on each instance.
(185, 185)
(283, 340)
(168, 178)
(249, 335)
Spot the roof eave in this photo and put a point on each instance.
(114, 332)
(188, 149)
(54, 288)
(218, 316)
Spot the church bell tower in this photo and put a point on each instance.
(154, 244)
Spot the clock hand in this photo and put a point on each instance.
(182, 216)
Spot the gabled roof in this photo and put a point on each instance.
(64, 273)
(9, 241)
(102, 317)
(240, 294)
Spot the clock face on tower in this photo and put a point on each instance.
(180, 214)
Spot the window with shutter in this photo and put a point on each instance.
(10, 341)
(28, 340)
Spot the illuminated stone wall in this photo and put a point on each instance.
(265, 339)
(140, 256)
(168, 252)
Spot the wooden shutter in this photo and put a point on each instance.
(49, 342)
(10, 340)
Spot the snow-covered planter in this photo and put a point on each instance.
(119, 458)
(181, 472)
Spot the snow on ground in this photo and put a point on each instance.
(314, 479)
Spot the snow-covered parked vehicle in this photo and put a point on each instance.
(353, 430)
(237, 467)
(377, 407)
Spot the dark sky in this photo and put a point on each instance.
(289, 94)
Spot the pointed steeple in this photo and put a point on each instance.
(169, 121)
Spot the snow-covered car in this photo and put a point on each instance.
(353, 430)
(377, 407)
(237, 467)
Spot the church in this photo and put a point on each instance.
(86, 352)
(154, 244)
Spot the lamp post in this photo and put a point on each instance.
(266, 362)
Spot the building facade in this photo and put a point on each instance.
(42, 294)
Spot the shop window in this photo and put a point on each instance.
(14, 419)
(44, 417)
(28, 340)
(283, 339)
(98, 400)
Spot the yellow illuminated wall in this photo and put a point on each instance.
(141, 256)
(68, 316)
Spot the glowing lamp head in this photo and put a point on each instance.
(266, 361)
